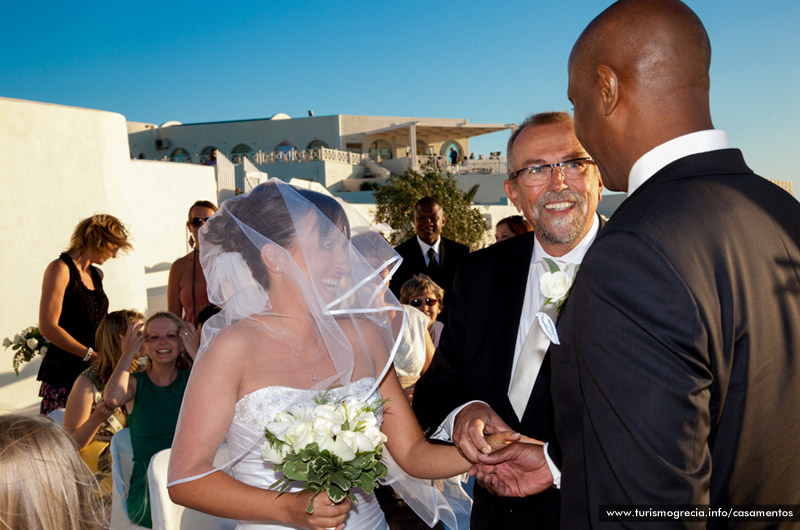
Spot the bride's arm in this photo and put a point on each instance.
(410, 449)
(206, 415)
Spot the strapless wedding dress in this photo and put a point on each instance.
(246, 437)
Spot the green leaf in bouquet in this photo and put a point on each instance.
(352, 497)
(338, 478)
(351, 472)
(295, 469)
(361, 460)
(380, 470)
(367, 481)
(336, 493)
(310, 451)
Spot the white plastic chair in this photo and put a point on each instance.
(121, 468)
(57, 415)
(169, 516)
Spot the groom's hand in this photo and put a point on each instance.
(471, 425)
(517, 470)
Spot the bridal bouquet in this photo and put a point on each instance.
(330, 446)
(27, 344)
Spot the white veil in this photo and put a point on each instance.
(279, 251)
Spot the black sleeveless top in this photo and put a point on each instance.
(81, 312)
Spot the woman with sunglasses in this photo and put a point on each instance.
(186, 288)
(424, 294)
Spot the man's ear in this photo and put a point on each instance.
(272, 256)
(511, 193)
(609, 88)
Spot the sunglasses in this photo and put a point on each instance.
(197, 222)
(417, 302)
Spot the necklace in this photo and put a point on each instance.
(305, 362)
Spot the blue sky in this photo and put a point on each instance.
(490, 62)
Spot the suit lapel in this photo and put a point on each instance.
(512, 283)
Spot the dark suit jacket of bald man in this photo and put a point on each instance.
(450, 253)
(677, 380)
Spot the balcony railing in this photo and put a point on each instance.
(277, 157)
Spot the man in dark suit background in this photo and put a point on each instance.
(429, 252)
(676, 381)
(485, 360)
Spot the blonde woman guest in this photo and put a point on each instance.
(152, 397)
(44, 485)
(186, 287)
(90, 422)
(73, 304)
(425, 295)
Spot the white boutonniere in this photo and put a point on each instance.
(555, 284)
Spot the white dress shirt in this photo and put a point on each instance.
(660, 156)
(424, 247)
(530, 306)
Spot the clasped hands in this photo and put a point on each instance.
(504, 464)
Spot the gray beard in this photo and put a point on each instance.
(559, 232)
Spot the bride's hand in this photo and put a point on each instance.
(326, 514)
(501, 439)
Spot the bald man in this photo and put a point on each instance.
(677, 377)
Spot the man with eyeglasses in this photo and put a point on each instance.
(491, 371)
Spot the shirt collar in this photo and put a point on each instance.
(660, 156)
(574, 256)
(424, 246)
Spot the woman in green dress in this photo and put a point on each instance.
(152, 397)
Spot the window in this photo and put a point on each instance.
(353, 147)
(241, 151)
(180, 155)
(316, 144)
(380, 150)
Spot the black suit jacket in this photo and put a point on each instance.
(450, 253)
(677, 380)
(474, 361)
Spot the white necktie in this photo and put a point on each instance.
(530, 361)
(531, 354)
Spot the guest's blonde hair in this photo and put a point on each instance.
(108, 341)
(44, 484)
(96, 233)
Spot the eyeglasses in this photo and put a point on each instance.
(197, 222)
(572, 170)
(417, 302)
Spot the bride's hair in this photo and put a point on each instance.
(264, 211)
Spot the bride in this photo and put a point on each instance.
(305, 310)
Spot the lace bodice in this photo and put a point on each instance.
(255, 409)
(246, 437)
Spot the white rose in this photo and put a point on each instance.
(300, 434)
(341, 448)
(358, 441)
(17, 339)
(327, 419)
(7, 343)
(375, 436)
(44, 350)
(32, 343)
(554, 285)
(276, 456)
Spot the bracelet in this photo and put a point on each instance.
(89, 352)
